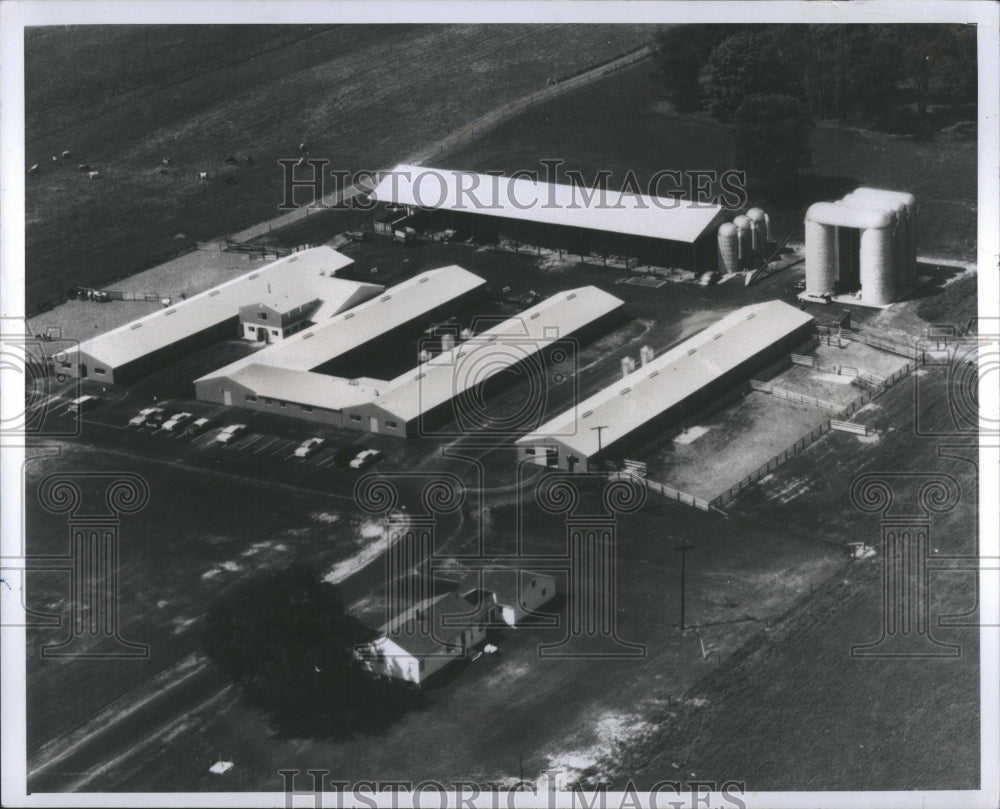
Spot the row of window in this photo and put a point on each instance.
(251, 397)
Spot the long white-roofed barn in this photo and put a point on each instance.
(667, 388)
(660, 231)
(267, 304)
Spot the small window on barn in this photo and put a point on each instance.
(349, 315)
(355, 417)
(306, 409)
(251, 397)
(268, 401)
(717, 336)
(170, 312)
(692, 351)
(392, 425)
(534, 315)
(385, 298)
(274, 332)
(135, 326)
(213, 293)
(98, 370)
(751, 316)
(543, 591)
(251, 277)
(423, 280)
(588, 414)
(308, 335)
(263, 315)
(571, 296)
(529, 450)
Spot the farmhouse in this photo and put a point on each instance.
(668, 388)
(425, 638)
(267, 304)
(293, 377)
(660, 231)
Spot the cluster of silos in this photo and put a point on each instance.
(865, 240)
(743, 242)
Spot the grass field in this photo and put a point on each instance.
(621, 124)
(124, 98)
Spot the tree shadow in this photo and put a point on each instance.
(285, 639)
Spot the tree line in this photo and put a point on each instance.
(773, 81)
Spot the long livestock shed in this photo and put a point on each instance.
(660, 231)
(668, 388)
(433, 393)
(359, 331)
(304, 280)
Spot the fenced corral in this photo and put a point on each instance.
(669, 492)
(850, 427)
(799, 359)
(838, 419)
(829, 334)
(780, 365)
(792, 396)
(770, 465)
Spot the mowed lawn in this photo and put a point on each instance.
(124, 98)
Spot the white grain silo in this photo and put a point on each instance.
(744, 231)
(906, 207)
(729, 249)
(758, 226)
(646, 354)
(878, 268)
(628, 366)
(767, 228)
(447, 341)
(821, 253)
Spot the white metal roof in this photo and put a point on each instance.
(471, 362)
(304, 387)
(338, 334)
(548, 203)
(293, 278)
(670, 378)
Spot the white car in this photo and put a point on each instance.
(227, 434)
(365, 458)
(175, 420)
(308, 447)
(143, 416)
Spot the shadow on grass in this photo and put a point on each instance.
(285, 638)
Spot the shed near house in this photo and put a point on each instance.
(517, 594)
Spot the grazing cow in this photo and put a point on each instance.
(66, 153)
(202, 175)
(303, 147)
(93, 174)
(55, 159)
(301, 161)
(84, 167)
(33, 169)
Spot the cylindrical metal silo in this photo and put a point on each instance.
(767, 228)
(878, 273)
(759, 229)
(745, 233)
(905, 206)
(821, 266)
(729, 249)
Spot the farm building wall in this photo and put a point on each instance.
(92, 367)
(551, 451)
(488, 229)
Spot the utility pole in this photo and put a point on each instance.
(683, 549)
(599, 429)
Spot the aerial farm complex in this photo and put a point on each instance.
(317, 332)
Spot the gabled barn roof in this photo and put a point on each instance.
(547, 203)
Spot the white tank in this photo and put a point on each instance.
(447, 341)
(821, 266)
(905, 205)
(878, 274)
(767, 228)
(758, 225)
(729, 249)
(744, 231)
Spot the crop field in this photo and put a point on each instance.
(123, 99)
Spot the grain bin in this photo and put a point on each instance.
(729, 249)
(758, 227)
(906, 206)
(744, 231)
(878, 273)
(821, 265)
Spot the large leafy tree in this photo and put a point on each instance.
(681, 54)
(285, 638)
(772, 139)
(750, 62)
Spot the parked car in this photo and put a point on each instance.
(156, 418)
(175, 421)
(365, 458)
(308, 447)
(140, 418)
(198, 426)
(227, 434)
(81, 403)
